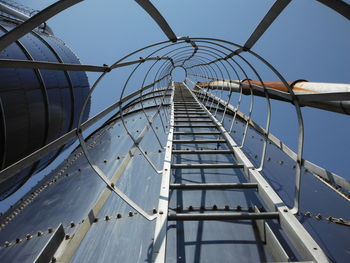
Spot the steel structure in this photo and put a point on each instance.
(176, 172)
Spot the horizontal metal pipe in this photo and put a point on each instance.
(327, 96)
(223, 216)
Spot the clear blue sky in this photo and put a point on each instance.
(308, 41)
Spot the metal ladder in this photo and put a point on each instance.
(188, 112)
(185, 106)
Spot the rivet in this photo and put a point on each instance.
(227, 207)
(318, 216)
(160, 212)
(159, 150)
(330, 218)
(67, 236)
(281, 162)
(112, 185)
(154, 211)
(239, 208)
(72, 224)
(190, 208)
(131, 213)
(308, 214)
(285, 210)
(18, 240)
(105, 161)
(215, 207)
(107, 218)
(50, 230)
(118, 158)
(95, 220)
(53, 259)
(7, 244)
(40, 234)
(28, 236)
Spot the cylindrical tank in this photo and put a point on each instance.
(36, 106)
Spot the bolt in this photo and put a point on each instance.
(161, 212)
(7, 244)
(119, 216)
(28, 236)
(215, 207)
(18, 240)
(131, 214)
(40, 233)
(227, 207)
(190, 208)
(72, 224)
(67, 236)
(318, 216)
(154, 211)
(53, 259)
(239, 208)
(330, 218)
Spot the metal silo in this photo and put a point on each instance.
(37, 105)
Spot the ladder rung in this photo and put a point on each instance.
(213, 186)
(223, 216)
(198, 113)
(189, 111)
(193, 121)
(206, 165)
(187, 108)
(197, 133)
(202, 152)
(194, 126)
(199, 141)
(186, 102)
(192, 116)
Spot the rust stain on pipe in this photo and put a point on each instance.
(275, 85)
